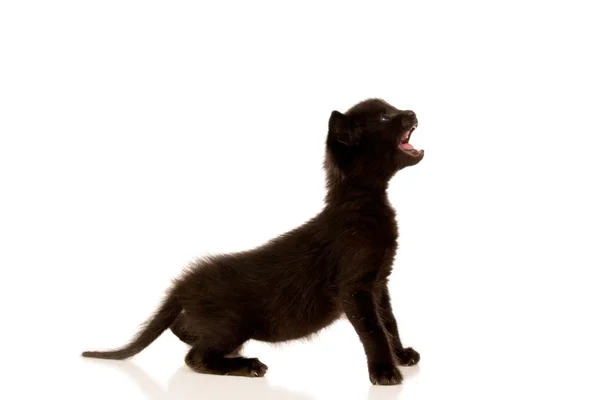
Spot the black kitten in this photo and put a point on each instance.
(335, 264)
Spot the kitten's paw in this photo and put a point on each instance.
(256, 368)
(384, 374)
(408, 357)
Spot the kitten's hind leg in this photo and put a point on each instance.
(218, 336)
(217, 362)
(181, 328)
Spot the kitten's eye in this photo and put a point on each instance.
(385, 118)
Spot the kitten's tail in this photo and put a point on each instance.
(149, 332)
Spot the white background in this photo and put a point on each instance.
(138, 135)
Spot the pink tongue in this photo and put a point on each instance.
(406, 146)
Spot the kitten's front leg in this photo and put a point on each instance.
(361, 310)
(405, 355)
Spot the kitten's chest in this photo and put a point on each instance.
(381, 228)
(377, 244)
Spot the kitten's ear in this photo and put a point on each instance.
(340, 127)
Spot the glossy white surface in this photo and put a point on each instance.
(135, 137)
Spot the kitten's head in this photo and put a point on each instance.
(370, 141)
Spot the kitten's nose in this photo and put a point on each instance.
(409, 114)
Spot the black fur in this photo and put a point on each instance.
(336, 264)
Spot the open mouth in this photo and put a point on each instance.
(405, 146)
